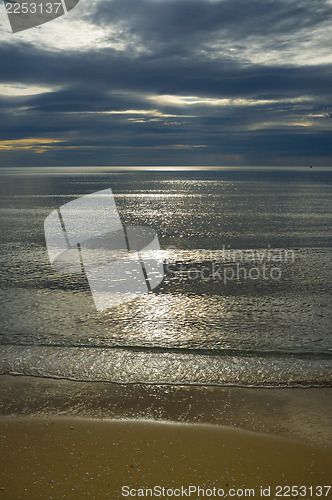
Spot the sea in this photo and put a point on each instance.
(246, 294)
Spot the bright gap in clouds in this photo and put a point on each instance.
(73, 32)
(17, 89)
(178, 100)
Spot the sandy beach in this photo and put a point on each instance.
(83, 458)
(65, 439)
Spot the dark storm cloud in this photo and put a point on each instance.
(103, 108)
(106, 72)
(171, 21)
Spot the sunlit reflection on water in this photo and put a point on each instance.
(194, 216)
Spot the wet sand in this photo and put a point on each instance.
(302, 414)
(64, 439)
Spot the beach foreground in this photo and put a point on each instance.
(83, 458)
(67, 439)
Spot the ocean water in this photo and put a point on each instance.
(246, 297)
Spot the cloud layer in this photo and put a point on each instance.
(170, 82)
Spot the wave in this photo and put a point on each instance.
(134, 366)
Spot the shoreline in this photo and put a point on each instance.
(296, 413)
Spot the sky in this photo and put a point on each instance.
(169, 82)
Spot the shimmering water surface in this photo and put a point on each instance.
(197, 327)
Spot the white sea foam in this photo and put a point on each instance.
(159, 367)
